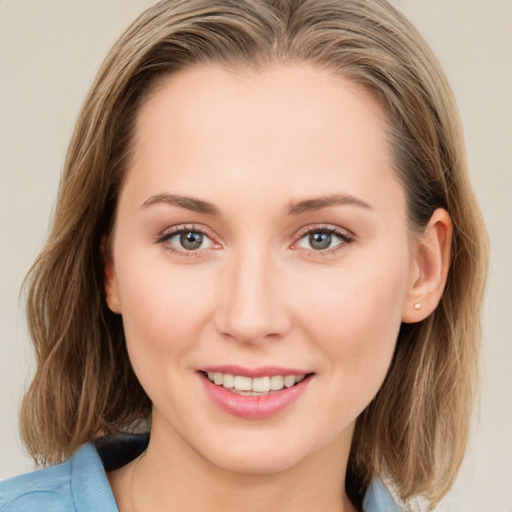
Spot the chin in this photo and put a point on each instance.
(259, 454)
(262, 463)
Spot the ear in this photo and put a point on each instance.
(112, 295)
(429, 268)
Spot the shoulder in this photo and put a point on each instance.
(34, 491)
(77, 485)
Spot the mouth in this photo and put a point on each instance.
(256, 394)
(257, 386)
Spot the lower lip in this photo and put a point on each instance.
(254, 407)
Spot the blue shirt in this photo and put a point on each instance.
(80, 483)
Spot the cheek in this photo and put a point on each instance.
(356, 319)
(164, 308)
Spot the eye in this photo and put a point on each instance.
(324, 239)
(186, 240)
(190, 240)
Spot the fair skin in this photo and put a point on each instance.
(302, 259)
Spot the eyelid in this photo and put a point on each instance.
(169, 232)
(346, 236)
(342, 232)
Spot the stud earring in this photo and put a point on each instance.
(417, 306)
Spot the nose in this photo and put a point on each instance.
(253, 306)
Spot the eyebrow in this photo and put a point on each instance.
(317, 203)
(189, 203)
(294, 208)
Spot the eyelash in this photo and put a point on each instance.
(345, 237)
(179, 230)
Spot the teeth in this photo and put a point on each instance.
(243, 383)
(276, 382)
(289, 381)
(248, 386)
(261, 384)
(229, 381)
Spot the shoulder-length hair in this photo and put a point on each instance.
(416, 429)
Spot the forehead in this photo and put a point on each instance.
(206, 95)
(286, 124)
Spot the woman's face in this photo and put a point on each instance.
(260, 234)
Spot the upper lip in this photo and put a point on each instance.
(260, 371)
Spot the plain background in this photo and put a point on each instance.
(49, 53)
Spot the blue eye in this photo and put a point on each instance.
(191, 240)
(187, 240)
(320, 241)
(323, 239)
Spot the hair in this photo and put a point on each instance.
(415, 431)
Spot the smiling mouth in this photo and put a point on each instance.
(258, 386)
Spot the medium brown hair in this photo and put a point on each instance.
(415, 430)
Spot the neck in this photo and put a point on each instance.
(172, 476)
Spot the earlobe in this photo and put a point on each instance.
(432, 261)
(111, 293)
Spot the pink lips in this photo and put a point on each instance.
(254, 407)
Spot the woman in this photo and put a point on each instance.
(265, 243)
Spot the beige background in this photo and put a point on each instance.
(49, 53)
